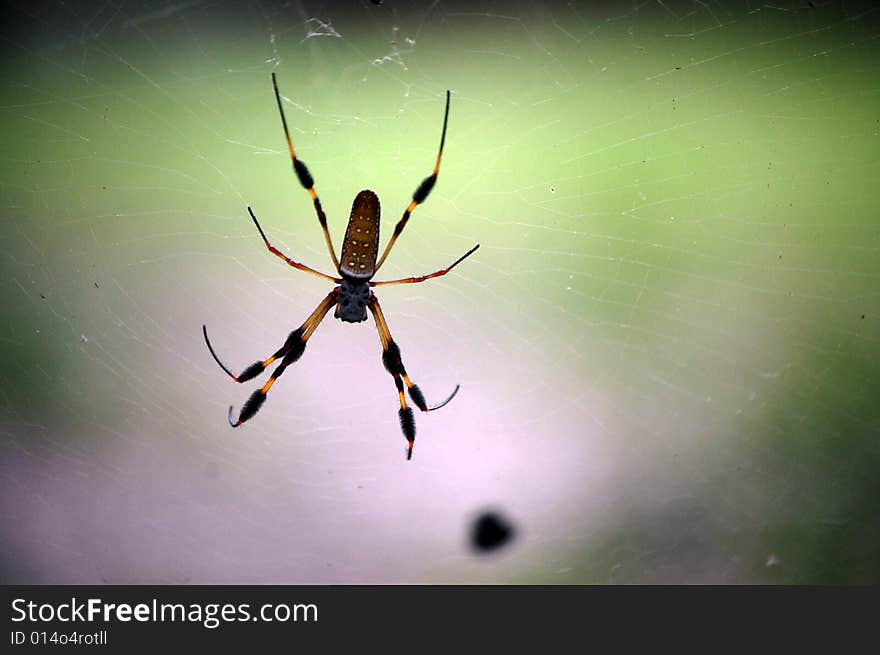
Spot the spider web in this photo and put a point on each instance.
(667, 343)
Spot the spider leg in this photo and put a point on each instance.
(256, 368)
(291, 351)
(280, 254)
(422, 278)
(421, 193)
(394, 365)
(305, 178)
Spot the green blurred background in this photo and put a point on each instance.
(667, 343)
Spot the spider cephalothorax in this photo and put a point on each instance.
(353, 296)
(352, 299)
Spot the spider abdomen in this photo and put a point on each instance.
(361, 244)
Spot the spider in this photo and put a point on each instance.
(353, 295)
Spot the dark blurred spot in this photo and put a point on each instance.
(863, 317)
(376, 2)
(490, 531)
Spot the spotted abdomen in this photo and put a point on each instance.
(361, 244)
